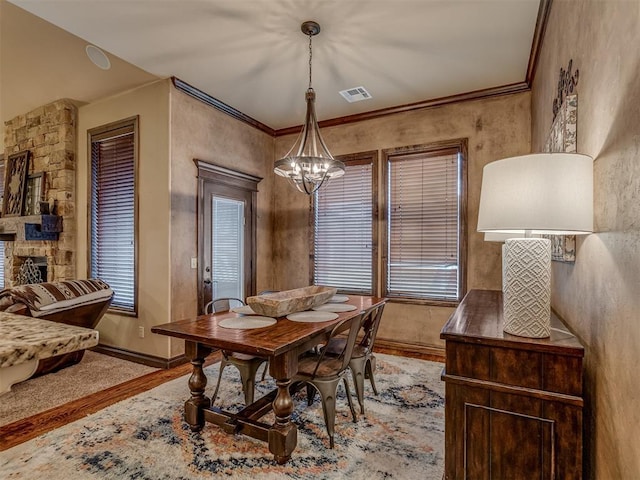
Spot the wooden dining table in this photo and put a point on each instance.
(282, 343)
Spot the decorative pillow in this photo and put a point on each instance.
(49, 297)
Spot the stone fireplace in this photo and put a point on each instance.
(49, 133)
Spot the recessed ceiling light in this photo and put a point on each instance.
(98, 57)
(355, 94)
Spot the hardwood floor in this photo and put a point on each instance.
(23, 430)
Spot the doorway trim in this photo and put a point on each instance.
(243, 183)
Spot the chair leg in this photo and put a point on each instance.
(328, 394)
(223, 364)
(370, 367)
(248, 377)
(311, 394)
(357, 366)
(264, 372)
(353, 410)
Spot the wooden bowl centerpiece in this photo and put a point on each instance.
(283, 303)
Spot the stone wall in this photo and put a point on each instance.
(49, 133)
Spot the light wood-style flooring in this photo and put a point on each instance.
(23, 430)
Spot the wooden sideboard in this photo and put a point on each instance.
(513, 406)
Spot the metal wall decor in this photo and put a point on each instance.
(15, 183)
(28, 273)
(563, 137)
(566, 85)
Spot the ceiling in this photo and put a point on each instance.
(251, 54)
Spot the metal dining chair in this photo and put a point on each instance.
(247, 365)
(363, 362)
(323, 373)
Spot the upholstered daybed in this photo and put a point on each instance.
(26, 341)
(81, 303)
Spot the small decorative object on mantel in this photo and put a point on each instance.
(51, 223)
(15, 183)
(563, 138)
(49, 228)
(35, 193)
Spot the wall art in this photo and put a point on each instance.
(15, 183)
(35, 193)
(563, 138)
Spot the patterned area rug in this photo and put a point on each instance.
(144, 437)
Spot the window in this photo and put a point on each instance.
(422, 235)
(1, 243)
(113, 211)
(227, 247)
(345, 228)
(425, 188)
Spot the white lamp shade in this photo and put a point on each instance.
(545, 193)
(503, 237)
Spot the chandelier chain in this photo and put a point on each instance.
(309, 164)
(310, 57)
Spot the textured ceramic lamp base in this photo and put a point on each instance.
(526, 287)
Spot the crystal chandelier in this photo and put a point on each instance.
(309, 164)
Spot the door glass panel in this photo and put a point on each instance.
(227, 247)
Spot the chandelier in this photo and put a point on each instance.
(309, 164)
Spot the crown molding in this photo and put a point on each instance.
(437, 102)
(221, 106)
(510, 89)
(538, 36)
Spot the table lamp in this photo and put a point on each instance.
(522, 197)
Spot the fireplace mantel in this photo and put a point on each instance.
(30, 227)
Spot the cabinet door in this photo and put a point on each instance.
(504, 444)
(495, 435)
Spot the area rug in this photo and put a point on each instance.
(144, 437)
(95, 372)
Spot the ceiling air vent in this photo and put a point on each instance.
(355, 94)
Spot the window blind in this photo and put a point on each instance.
(423, 225)
(227, 247)
(113, 214)
(343, 226)
(2, 167)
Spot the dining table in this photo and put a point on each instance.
(281, 343)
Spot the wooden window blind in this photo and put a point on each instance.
(423, 225)
(113, 189)
(344, 230)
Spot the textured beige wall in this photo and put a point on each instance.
(41, 63)
(495, 128)
(151, 103)
(599, 295)
(199, 131)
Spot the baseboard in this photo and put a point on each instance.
(423, 352)
(144, 359)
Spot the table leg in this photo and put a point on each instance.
(283, 435)
(193, 408)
